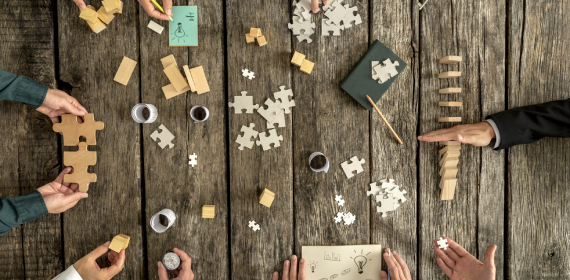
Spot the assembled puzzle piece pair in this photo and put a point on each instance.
(337, 13)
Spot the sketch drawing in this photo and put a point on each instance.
(361, 261)
(346, 271)
(338, 262)
(334, 257)
(179, 34)
(333, 276)
(313, 265)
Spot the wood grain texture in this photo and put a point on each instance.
(255, 255)
(398, 29)
(170, 182)
(88, 62)
(328, 120)
(29, 149)
(538, 179)
(472, 30)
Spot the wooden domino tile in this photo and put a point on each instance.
(449, 119)
(449, 143)
(450, 104)
(261, 41)
(125, 71)
(449, 90)
(189, 78)
(249, 38)
(451, 59)
(89, 15)
(254, 32)
(104, 16)
(450, 148)
(199, 79)
(447, 188)
(307, 66)
(176, 78)
(449, 74)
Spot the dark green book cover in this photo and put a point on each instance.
(359, 82)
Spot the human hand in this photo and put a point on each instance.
(398, 268)
(291, 273)
(478, 134)
(183, 272)
(315, 5)
(457, 263)
(154, 12)
(88, 268)
(59, 196)
(58, 103)
(80, 4)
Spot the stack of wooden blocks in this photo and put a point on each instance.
(208, 211)
(195, 78)
(266, 198)
(97, 19)
(448, 171)
(450, 90)
(119, 242)
(305, 64)
(255, 34)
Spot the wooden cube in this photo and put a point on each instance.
(111, 6)
(449, 119)
(261, 41)
(125, 71)
(89, 15)
(199, 79)
(249, 38)
(449, 148)
(449, 90)
(104, 16)
(98, 26)
(266, 198)
(450, 104)
(208, 211)
(254, 32)
(307, 66)
(447, 188)
(119, 242)
(298, 59)
(451, 59)
(449, 74)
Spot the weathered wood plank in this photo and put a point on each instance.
(188, 188)
(397, 28)
(33, 250)
(538, 221)
(255, 255)
(328, 120)
(88, 62)
(471, 30)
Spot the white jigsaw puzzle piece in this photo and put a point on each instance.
(272, 109)
(306, 6)
(326, 28)
(385, 72)
(387, 205)
(297, 26)
(374, 189)
(266, 140)
(193, 160)
(243, 102)
(337, 15)
(283, 97)
(350, 17)
(165, 137)
(329, 6)
(442, 243)
(279, 120)
(247, 73)
(248, 133)
(355, 165)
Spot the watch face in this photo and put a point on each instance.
(171, 261)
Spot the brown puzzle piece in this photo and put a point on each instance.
(80, 160)
(71, 129)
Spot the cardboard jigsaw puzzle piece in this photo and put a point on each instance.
(279, 120)
(374, 189)
(387, 205)
(304, 5)
(268, 138)
(272, 109)
(72, 130)
(326, 28)
(243, 102)
(355, 165)
(80, 160)
(165, 137)
(337, 15)
(297, 26)
(386, 71)
(283, 97)
(248, 133)
(350, 17)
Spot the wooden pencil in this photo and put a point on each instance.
(385, 121)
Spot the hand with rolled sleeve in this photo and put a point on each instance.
(57, 103)
(59, 196)
(292, 271)
(183, 272)
(154, 12)
(88, 268)
(458, 264)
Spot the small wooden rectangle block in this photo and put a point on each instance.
(189, 78)
(449, 148)
(451, 59)
(449, 74)
(156, 28)
(98, 26)
(254, 32)
(169, 91)
(448, 157)
(125, 71)
(453, 162)
(447, 188)
(249, 38)
(449, 119)
(175, 77)
(266, 198)
(89, 15)
(452, 154)
(119, 242)
(449, 90)
(111, 6)
(167, 61)
(448, 172)
(261, 41)
(307, 66)
(450, 143)
(298, 59)
(104, 16)
(199, 79)
(450, 104)
(208, 211)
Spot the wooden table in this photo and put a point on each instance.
(514, 54)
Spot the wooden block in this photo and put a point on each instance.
(449, 143)
(127, 239)
(254, 32)
(119, 242)
(111, 6)
(449, 119)
(451, 59)
(167, 61)
(449, 148)
(448, 157)
(104, 16)
(175, 77)
(89, 15)
(449, 90)
(249, 38)
(199, 79)
(266, 198)
(90, 7)
(447, 188)
(452, 154)
(446, 172)
(298, 59)
(72, 130)
(98, 26)
(261, 41)
(156, 28)
(450, 104)
(120, 3)
(452, 162)
(169, 91)
(189, 78)
(307, 66)
(80, 160)
(449, 74)
(208, 211)
(125, 71)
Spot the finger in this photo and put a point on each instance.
(286, 270)
(403, 264)
(77, 105)
(444, 267)
(275, 276)
(399, 267)
(441, 131)
(70, 109)
(293, 272)
(383, 274)
(74, 187)
(112, 255)
(450, 136)
(167, 6)
(477, 139)
(326, 2)
(162, 273)
(151, 10)
(59, 178)
(315, 6)
(490, 256)
(99, 251)
(54, 119)
(446, 259)
(186, 260)
(80, 4)
(117, 265)
(392, 266)
(449, 251)
(75, 197)
(456, 247)
(301, 275)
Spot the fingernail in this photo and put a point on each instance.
(293, 257)
(107, 243)
(394, 252)
(383, 274)
(286, 262)
(275, 273)
(315, 10)
(158, 264)
(460, 137)
(302, 261)
(169, 12)
(82, 7)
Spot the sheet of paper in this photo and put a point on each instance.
(358, 262)
(183, 30)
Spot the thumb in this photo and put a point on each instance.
(69, 108)
(70, 198)
(162, 274)
(99, 251)
(490, 256)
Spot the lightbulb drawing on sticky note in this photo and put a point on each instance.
(183, 30)
(179, 34)
(360, 261)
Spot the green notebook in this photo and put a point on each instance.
(183, 31)
(359, 82)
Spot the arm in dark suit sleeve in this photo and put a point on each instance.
(531, 123)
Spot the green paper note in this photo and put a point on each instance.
(183, 30)
(359, 82)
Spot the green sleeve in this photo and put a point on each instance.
(21, 89)
(18, 210)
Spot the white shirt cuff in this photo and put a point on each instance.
(69, 274)
(497, 133)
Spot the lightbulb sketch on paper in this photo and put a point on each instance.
(353, 266)
(313, 265)
(179, 34)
